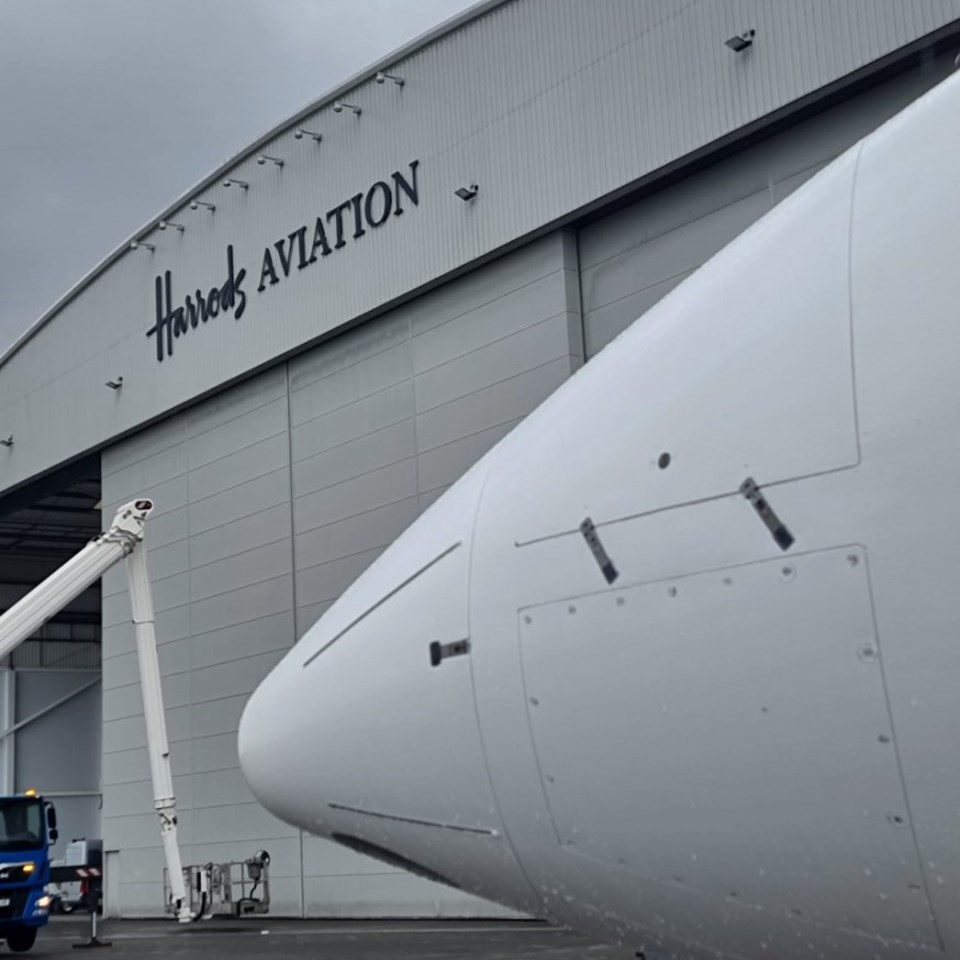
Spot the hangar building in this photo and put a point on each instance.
(296, 364)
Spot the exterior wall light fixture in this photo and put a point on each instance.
(300, 133)
(740, 41)
(242, 184)
(342, 105)
(164, 224)
(196, 204)
(384, 77)
(263, 158)
(467, 193)
(7, 441)
(114, 384)
(142, 244)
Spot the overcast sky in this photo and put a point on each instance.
(110, 109)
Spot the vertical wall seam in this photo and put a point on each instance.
(293, 583)
(579, 275)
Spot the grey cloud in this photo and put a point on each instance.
(109, 109)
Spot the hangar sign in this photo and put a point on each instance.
(304, 246)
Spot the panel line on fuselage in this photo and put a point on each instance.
(366, 613)
(546, 538)
(481, 831)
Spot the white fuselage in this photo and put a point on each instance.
(732, 749)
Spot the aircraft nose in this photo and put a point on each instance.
(366, 733)
(348, 715)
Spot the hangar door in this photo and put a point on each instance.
(632, 258)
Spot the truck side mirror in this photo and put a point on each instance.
(52, 831)
(54, 834)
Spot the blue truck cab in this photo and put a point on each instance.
(28, 828)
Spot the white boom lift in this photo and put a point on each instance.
(124, 539)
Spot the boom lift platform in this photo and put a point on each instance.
(124, 540)
(236, 888)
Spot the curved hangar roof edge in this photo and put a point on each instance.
(553, 108)
(335, 93)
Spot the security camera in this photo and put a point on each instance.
(298, 134)
(261, 160)
(338, 108)
(381, 78)
(162, 224)
(193, 204)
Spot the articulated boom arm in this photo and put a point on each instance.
(123, 539)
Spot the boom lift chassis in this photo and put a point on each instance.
(124, 540)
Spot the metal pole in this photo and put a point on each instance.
(93, 940)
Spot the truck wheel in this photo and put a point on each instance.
(22, 940)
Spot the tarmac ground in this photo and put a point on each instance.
(266, 938)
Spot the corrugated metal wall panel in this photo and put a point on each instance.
(58, 753)
(223, 588)
(636, 256)
(547, 104)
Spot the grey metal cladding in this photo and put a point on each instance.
(241, 677)
(481, 367)
(219, 716)
(125, 733)
(549, 105)
(240, 570)
(243, 821)
(243, 399)
(364, 531)
(326, 581)
(634, 257)
(354, 458)
(223, 587)
(505, 314)
(242, 605)
(239, 641)
(125, 766)
(246, 533)
(44, 757)
(241, 499)
(678, 250)
(309, 614)
(359, 494)
(341, 353)
(604, 323)
(364, 376)
(261, 446)
(220, 788)
(135, 795)
(443, 465)
(120, 670)
(214, 753)
(343, 424)
(500, 402)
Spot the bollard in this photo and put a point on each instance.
(94, 898)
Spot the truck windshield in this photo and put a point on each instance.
(21, 823)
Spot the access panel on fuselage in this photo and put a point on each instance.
(740, 747)
(744, 370)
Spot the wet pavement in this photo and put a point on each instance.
(265, 938)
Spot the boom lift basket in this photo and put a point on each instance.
(235, 888)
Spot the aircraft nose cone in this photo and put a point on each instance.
(357, 716)
(267, 745)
